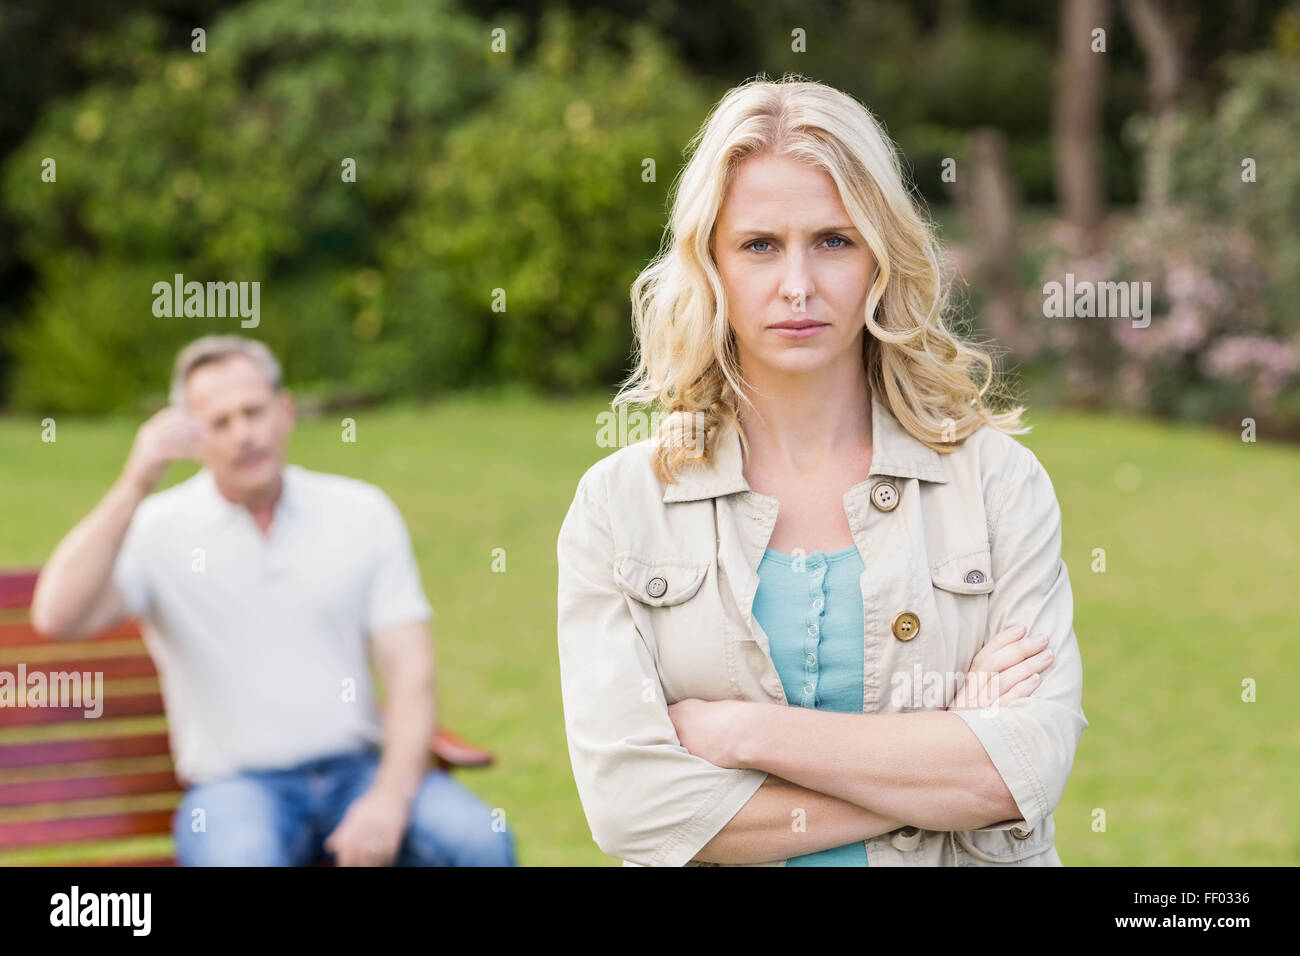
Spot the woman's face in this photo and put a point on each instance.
(795, 271)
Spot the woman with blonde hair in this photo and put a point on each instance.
(821, 617)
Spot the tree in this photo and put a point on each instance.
(1077, 118)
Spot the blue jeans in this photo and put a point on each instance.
(281, 818)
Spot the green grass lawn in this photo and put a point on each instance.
(1199, 531)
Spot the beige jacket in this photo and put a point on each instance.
(656, 587)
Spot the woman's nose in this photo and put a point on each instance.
(796, 285)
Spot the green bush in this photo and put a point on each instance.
(473, 173)
(543, 198)
(226, 165)
(91, 342)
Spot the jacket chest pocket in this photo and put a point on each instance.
(961, 585)
(675, 604)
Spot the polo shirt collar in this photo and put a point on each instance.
(894, 452)
(220, 509)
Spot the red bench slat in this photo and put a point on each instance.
(145, 861)
(458, 752)
(14, 836)
(66, 789)
(129, 705)
(113, 668)
(18, 633)
(17, 588)
(54, 752)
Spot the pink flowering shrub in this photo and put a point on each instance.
(1220, 336)
(1198, 340)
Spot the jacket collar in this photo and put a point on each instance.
(894, 452)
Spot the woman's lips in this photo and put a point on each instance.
(801, 330)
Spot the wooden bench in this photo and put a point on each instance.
(77, 783)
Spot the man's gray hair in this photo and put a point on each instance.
(214, 348)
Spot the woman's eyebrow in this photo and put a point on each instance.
(760, 231)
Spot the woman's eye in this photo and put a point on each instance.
(754, 244)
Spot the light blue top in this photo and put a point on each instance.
(810, 608)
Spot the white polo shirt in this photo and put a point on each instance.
(261, 643)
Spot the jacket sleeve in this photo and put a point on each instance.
(647, 799)
(1032, 740)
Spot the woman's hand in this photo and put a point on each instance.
(1005, 668)
(710, 729)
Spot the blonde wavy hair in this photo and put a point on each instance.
(685, 353)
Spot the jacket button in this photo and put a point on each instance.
(1022, 836)
(974, 577)
(906, 626)
(905, 838)
(884, 495)
(656, 587)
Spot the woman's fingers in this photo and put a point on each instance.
(1015, 652)
(1000, 641)
(1006, 668)
(1020, 680)
(1026, 668)
(1003, 638)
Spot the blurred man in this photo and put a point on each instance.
(259, 584)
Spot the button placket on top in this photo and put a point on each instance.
(816, 567)
(268, 549)
(237, 526)
(273, 545)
